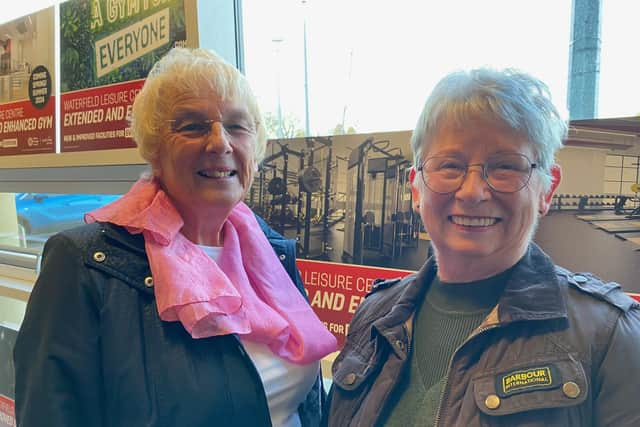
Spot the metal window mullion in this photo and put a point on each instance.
(20, 257)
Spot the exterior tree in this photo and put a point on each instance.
(341, 129)
(291, 127)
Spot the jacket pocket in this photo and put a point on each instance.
(542, 392)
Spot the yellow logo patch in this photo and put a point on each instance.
(529, 379)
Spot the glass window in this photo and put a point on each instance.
(612, 174)
(619, 92)
(612, 187)
(30, 218)
(12, 312)
(629, 174)
(613, 160)
(630, 162)
(620, 173)
(26, 221)
(370, 65)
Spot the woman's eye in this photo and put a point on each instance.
(234, 126)
(506, 167)
(451, 165)
(193, 127)
(237, 128)
(503, 166)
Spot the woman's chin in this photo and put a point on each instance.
(467, 249)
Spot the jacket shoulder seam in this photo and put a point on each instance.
(387, 298)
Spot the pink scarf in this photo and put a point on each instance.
(246, 292)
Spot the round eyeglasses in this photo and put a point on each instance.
(198, 128)
(503, 172)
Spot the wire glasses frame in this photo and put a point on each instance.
(503, 173)
(191, 128)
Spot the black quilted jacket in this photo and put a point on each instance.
(92, 350)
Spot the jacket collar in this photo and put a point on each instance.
(135, 242)
(393, 325)
(410, 297)
(532, 293)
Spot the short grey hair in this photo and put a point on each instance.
(520, 101)
(188, 71)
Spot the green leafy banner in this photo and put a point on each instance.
(112, 41)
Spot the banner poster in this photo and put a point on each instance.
(7, 412)
(27, 85)
(335, 290)
(8, 335)
(107, 49)
(346, 200)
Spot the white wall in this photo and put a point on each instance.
(582, 170)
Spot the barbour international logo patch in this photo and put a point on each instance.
(528, 379)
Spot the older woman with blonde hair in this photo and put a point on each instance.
(175, 305)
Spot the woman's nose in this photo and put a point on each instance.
(218, 140)
(474, 187)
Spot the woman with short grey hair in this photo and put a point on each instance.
(489, 332)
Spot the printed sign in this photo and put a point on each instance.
(8, 336)
(27, 104)
(107, 49)
(96, 119)
(7, 412)
(118, 49)
(336, 290)
(25, 129)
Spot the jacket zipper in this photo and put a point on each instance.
(410, 340)
(393, 385)
(446, 383)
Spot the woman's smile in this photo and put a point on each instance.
(217, 173)
(473, 221)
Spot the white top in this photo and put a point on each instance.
(213, 251)
(285, 384)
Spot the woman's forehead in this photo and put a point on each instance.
(460, 120)
(477, 134)
(206, 104)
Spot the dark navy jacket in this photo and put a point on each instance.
(92, 350)
(559, 349)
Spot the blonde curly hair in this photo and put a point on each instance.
(188, 71)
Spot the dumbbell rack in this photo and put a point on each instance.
(583, 202)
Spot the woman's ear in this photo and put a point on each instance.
(415, 193)
(545, 202)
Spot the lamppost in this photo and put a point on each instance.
(276, 42)
(306, 80)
